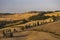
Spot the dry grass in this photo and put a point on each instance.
(40, 36)
(17, 16)
(50, 27)
(55, 14)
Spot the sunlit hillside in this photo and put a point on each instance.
(34, 35)
(50, 28)
(16, 16)
(24, 16)
(53, 14)
(30, 26)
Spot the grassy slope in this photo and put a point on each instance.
(55, 14)
(17, 16)
(50, 27)
(34, 35)
(49, 31)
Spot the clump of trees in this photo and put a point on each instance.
(40, 16)
(12, 22)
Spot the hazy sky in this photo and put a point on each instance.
(18, 6)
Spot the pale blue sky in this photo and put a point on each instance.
(18, 6)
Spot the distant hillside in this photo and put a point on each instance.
(13, 19)
(53, 14)
(6, 14)
(26, 15)
(15, 16)
(7, 20)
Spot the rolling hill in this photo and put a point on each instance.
(43, 29)
(53, 28)
(16, 16)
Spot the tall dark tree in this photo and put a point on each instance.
(38, 23)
